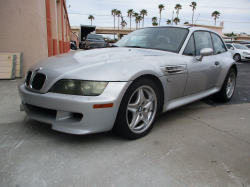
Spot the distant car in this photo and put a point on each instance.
(239, 52)
(124, 87)
(246, 44)
(94, 41)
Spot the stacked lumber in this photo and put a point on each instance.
(11, 65)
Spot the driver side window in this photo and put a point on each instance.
(202, 40)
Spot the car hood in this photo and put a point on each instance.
(109, 64)
(93, 40)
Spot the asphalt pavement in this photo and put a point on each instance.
(201, 144)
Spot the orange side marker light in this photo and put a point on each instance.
(109, 105)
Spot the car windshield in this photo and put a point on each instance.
(161, 38)
(239, 46)
(95, 37)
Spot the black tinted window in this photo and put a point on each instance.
(218, 44)
(190, 50)
(202, 40)
(228, 46)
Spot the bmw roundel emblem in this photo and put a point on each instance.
(140, 109)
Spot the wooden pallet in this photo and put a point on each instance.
(7, 66)
(19, 63)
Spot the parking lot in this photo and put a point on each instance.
(202, 144)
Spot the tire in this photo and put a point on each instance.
(237, 58)
(138, 110)
(228, 87)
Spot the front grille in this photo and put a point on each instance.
(27, 81)
(38, 81)
(95, 45)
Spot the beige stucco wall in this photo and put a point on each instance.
(23, 29)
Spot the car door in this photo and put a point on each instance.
(202, 75)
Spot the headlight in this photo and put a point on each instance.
(77, 87)
(246, 53)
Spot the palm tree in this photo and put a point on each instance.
(118, 13)
(168, 22)
(186, 22)
(135, 15)
(154, 24)
(161, 7)
(176, 20)
(143, 13)
(177, 8)
(138, 18)
(130, 14)
(216, 15)
(154, 19)
(123, 23)
(193, 5)
(91, 18)
(113, 13)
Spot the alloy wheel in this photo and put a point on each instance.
(141, 109)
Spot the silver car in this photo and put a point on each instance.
(124, 88)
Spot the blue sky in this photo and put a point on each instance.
(235, 14)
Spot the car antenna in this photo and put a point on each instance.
(196, 19)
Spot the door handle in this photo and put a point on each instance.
(217, 63)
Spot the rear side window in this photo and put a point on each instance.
(202, 40)
(190, 50)
(218, 44)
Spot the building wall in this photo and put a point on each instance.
(23, 29)
(35, 28)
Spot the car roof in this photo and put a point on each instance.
(191, 28)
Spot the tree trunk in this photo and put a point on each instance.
(130, 22)
(118, 27)
(114, 27)
(215, 21)
(193, 18)
(143, 22)
(91, 22)
(160, 20)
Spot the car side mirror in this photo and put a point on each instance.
(205, 52)
(231, 48)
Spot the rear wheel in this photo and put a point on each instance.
(228, 87)
(138, 110)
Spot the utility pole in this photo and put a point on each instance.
(172, 17)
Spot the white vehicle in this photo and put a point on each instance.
(239, 52)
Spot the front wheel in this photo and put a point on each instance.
(138, 110)
(228, 87)
(237, 57)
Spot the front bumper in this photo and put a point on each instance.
(74, 114)
(245, 57)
